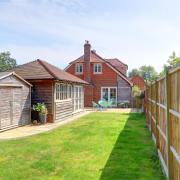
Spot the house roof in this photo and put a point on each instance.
(40, 69)
(118, 65)
(94, 57)
(114, 64)
(139, 81)
(6, 74)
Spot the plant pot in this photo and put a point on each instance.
(43, 118)
(34, 115)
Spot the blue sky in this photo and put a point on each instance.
(138, 32)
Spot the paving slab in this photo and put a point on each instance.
(118, 110)
(30, 130)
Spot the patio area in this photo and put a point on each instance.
(30, 129)
(118, 110)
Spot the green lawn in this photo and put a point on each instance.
(98, 146)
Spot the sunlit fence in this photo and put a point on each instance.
(162, 109)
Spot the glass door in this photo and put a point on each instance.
(104, 94)
(78, 98)
(113, 96)
(109, 94)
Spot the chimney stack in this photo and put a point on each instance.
(87, 58)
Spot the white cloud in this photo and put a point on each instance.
(57, 55)
(137, 39)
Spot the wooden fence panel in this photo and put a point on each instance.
(162, 109)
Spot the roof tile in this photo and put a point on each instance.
(40, 69)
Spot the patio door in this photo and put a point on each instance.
(78, 98)
(109, 94)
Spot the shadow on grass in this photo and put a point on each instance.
(133, 155)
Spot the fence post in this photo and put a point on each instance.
(147, 98)
(145, 91)
(156, 108)
(168, 127)
(151, 108)
(147, 105)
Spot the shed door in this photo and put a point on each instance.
(10, 106)
(16, 118)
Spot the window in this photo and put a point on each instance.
(97, 68)
(79, 68)
(69, 92)
(63, 91)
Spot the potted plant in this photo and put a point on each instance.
(42, 111)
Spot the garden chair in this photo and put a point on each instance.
(111, 103)
(96, 106)
(103, 103)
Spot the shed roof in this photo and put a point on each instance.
(40, 69)
(6, 74)
(2, 74)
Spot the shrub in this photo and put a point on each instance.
(40, 107)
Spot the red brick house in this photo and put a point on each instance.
(107, 77)
(138, 81)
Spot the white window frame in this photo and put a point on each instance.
(77, 68)
(63, 92)
(109, 92)
(78, 98)
(94, 68)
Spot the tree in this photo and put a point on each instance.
(133, 72)
(147, 72)
(172, 62)
(6, 62)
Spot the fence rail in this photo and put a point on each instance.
(162, 109)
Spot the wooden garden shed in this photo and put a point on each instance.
(62, 93)
(15, 101)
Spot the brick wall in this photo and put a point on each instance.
(71, 70)
(108, 78)
(87, 57)
(88, 96)
(138, 81)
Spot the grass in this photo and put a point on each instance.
(98, 146)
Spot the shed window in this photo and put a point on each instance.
(69, 91)
(63, 91)
(97, 68)
(79, 68)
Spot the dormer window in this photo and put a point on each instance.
(79, 68)
(97, 68)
